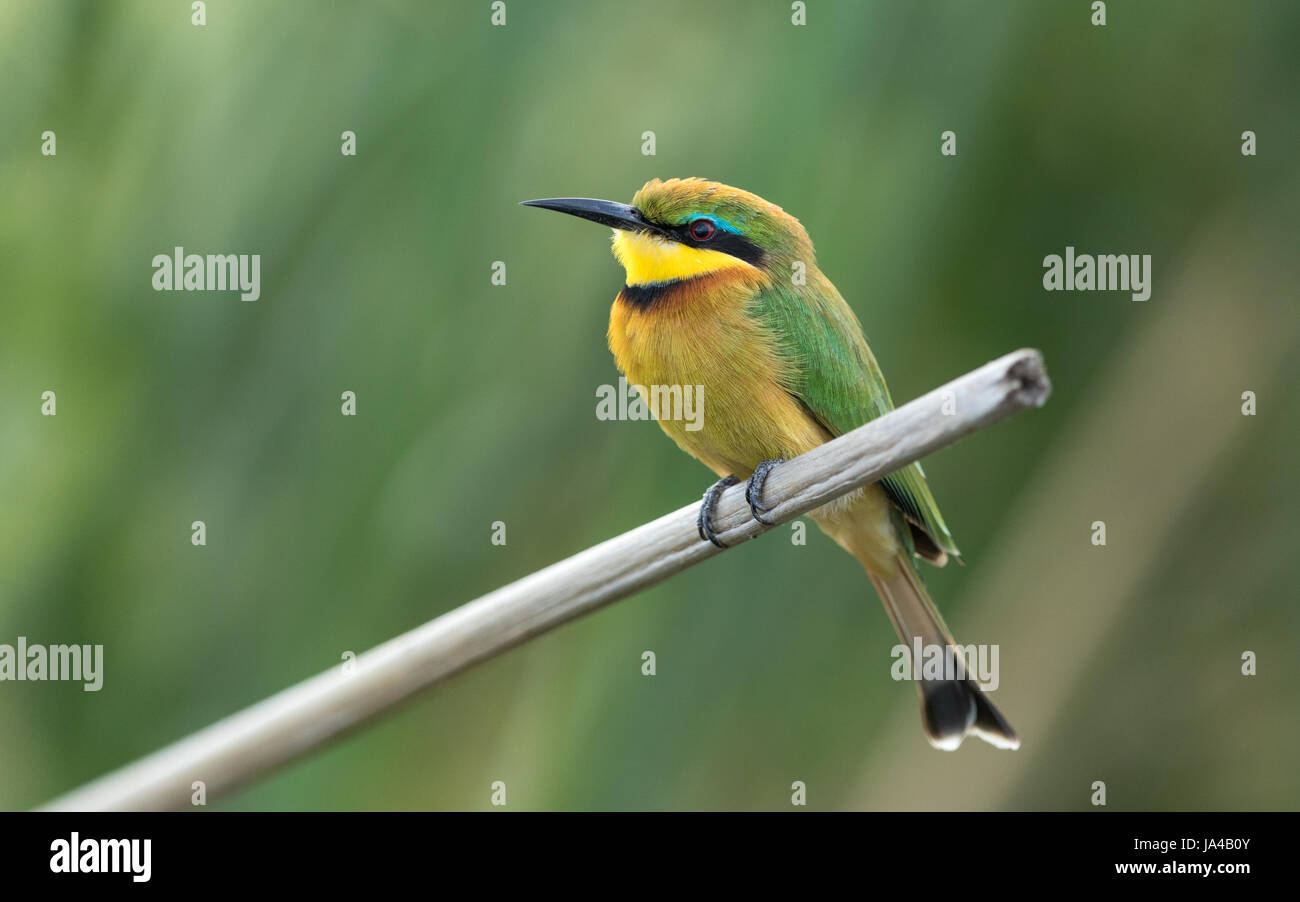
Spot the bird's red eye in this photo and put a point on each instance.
(702, 230)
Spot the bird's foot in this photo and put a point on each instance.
(754, 489)
(709, 505)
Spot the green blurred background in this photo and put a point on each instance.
(476, 402)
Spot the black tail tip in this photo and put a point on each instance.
(952, 709)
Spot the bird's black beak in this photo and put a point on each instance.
(605, 212)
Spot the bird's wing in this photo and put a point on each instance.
(836, 377)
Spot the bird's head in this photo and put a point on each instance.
(684, 228)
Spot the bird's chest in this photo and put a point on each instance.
(714, 383)
(664, 352)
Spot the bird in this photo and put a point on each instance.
(722, 291)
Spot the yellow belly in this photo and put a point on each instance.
(861, 524)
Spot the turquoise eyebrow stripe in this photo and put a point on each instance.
(716, 220)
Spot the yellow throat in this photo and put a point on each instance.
(648, 259)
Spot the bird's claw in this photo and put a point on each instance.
(753, 495)
(709, 505)
(754, 489)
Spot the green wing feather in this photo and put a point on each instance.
(837, 379)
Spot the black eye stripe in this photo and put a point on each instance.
(722, 240)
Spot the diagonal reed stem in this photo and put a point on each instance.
(305, 717)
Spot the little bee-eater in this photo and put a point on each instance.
(723, 292)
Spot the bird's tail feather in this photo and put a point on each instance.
(950, 708)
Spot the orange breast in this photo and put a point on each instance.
(700, 336)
